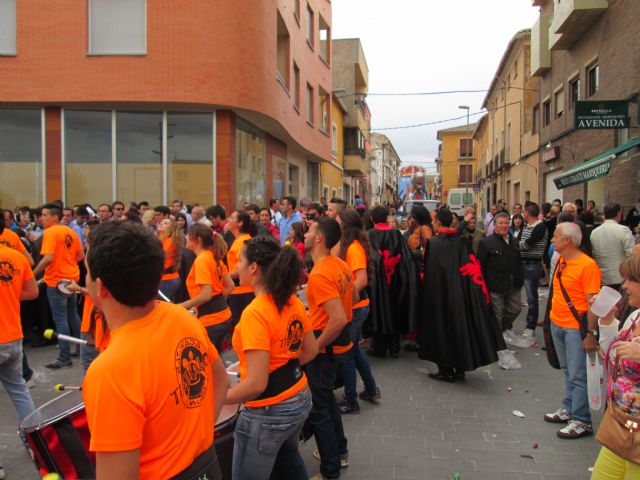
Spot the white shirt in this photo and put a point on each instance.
(612, 243)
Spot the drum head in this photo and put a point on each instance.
(228, 413)
(51, 412)
(62, 287)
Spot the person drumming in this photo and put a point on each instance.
(209, 282)
(330, 296)
(243, 229)
(273, 339)
(152, 397)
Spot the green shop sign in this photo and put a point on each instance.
(584, 175)
(602, 114)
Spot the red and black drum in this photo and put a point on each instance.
(58, 434)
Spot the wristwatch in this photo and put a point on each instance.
(594, 333)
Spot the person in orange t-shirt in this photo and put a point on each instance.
(243, 229)
(16, 283)
(172, 243)
(273, 339)
(209, 282)
(330, 295)
(153, 396)
(61, 251)
(12, 240)
(354, 249)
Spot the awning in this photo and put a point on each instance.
(595, 168)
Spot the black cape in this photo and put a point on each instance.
(394, 293)
(457, 328)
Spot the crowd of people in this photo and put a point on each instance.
(130, 278)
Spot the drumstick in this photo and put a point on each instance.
(163, 296)
(49, 334)
(61, 388)
(234, 374)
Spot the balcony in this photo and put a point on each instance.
(540, 53)
(571, 19)
(355, 163)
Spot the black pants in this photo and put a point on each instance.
(383, 342)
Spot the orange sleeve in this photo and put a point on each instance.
(356, 257)
(591, 278)
(204, 272)
(28, 273)
(48, 243)
(256, 334)
(323, 288)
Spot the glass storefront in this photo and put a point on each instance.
(87, 154)
(20, 158)
(251, 149)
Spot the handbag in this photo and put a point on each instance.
(618, 431)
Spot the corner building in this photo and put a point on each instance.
(209, 102)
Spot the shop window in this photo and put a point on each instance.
(20, 157)
(251, 150)
(190, 157)
(325, 39)
(117, 27)
(7, 27)
(88, 157)
(283, 52)
(593, 79)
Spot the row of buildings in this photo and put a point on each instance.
(527, 146)
(211, 102)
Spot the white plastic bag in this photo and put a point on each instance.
(507, 360)
(594, 381)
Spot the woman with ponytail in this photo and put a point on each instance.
(273, 339)
(243, 229)
(172, 243)
(209, 282)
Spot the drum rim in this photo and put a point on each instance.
(60, 416)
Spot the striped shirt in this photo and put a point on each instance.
(533, 241)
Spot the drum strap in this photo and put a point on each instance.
(72, 443)
(342, 340)
(214, 305)
(205, 465)
(282, 378)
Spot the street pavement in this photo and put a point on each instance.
(421, 429)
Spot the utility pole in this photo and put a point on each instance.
(466, 190)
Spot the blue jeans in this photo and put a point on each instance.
(531, 274)
(88, 353)
(65, 317)
(170, 287)
(354, 359)
(325, 418)
(266, 439)
(11, 377)
(572, 357)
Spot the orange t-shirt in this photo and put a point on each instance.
(233, 256)
(14, 272)
(330, 278)
(581, 277)
(262, 327)
(12, 240)
(356, 258)
(100, 334)
(204, 271)
(152, 390)
(169, 258)
(64, 245)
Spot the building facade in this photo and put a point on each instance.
(385, 169)
(222, 102)
(457, 161)
(586, 50)
(332, 173)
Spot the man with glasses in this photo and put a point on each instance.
(315, 211)
(118, 209)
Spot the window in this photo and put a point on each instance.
(21, 157)
(296, 10)
(325, 39)
(283, 53)
(117, 27)
(190, 156)
(310, 25)
(516, 192)
(465, 148)
(139, 156)
(559, 102)
(88, 157)
(7, 27)
(251, 151)
(334, 139)
(323, 98)
(309, 104)
(536, 119)
(593, 80)
(465, 174)
(574, 91)
(296, 87)
(546, 113)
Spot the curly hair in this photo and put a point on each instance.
(177, 238)
(353, 230)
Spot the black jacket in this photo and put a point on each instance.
(500, 263)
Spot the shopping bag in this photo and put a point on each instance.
(594, 381)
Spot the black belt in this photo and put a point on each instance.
(342, 340)
(531, 261)
(214, 305)
(282, 378)
(204, 465)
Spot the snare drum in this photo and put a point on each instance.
(225, 426)
(58, 434)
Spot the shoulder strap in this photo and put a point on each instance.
(570, 304)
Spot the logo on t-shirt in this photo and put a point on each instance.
(5, 243)
(7, 273)
(68, 241)
(294, 334)
(344, 283)
(192, 363)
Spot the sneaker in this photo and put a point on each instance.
(57, 365)
(344, 459)
(370, 396)
(575, 429)
(559, 416)
(529, 333)
(347, 407)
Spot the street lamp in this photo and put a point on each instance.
(466, 191)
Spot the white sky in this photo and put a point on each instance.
(427, 46)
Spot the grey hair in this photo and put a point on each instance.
(569, 204)
(572, 231)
